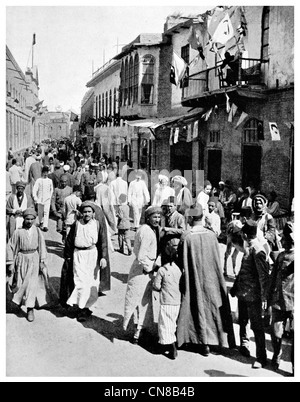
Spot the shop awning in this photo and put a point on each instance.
(157, 122)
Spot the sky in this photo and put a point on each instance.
(72, 41)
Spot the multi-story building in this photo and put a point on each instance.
(109, 131)
(235, 138)
(23, 107)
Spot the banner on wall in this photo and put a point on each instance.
(275, 135)
(195, 129)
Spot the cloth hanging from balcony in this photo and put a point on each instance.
(195, 129)
(178, 69)
(189, 133)
(176, 135)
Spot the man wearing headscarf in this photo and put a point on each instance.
(184, 199)
(138, 298)
(15, 206)
(205, 314)
(25, 259)
(86, 251)
(265, 221)
(163, 191)
(281, 294)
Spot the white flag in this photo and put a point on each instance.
(227, 104)
(171, 136)
(176, 135)
(232, 112)
(224, 31)
(195, 129)
(243, 116)
(179, 68)
(274, 131)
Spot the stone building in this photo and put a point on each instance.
(23, 107)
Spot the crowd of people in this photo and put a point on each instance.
(176, 248)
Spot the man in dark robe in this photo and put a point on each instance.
(205, 314)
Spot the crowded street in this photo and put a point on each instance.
(150, 195)
(58, 346)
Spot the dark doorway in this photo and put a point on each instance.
(214, 164)
(251, 165)
(181, 156)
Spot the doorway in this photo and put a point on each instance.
(181, 157)
(251, 165)
(214, 164)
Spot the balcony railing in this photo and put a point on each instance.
(249, 72)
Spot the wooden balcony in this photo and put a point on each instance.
(207, 86)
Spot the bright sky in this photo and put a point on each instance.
(72, 40)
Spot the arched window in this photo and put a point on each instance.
(265, 33)
(110, 103)
(122, 85)
(147, 86)
(135, 84)
(253, 131)
(106, 104)
(126, 83)
(130, 81)
(103, 105)
(96, 107)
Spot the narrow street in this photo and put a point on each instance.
(55, 345)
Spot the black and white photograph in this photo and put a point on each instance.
(149, 225)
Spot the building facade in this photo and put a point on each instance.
(23, 107)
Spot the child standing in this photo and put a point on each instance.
(123, 224)
(167, 283)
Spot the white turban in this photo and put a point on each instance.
(163, 177)
(180, 179)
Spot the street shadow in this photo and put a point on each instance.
(217, 373)
(120, 277)
(55, 247)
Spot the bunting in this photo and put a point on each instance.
(176, 135)
(171, 136)
(189, 133)
(206, 115)
(232, 112)
(224, 31)
(227, 103)
(195, 129)
(243, 116)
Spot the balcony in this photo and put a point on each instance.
(206, 87)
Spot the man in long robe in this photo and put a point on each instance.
(15, 206)
(205, 314)
(26, 255)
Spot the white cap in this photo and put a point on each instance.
(66, 168)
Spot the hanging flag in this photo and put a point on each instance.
(176, 135)
(232, 112)
(207, 114)
(196, 38)
(274, 131)
(178, 69)
(33, 40)
(171, 136)
(243, 116)
(224, 31)
(195, 129)
(227, 103)
(189, 133)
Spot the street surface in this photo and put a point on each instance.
(55, 345)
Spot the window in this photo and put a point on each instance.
(115, 101)
(214, 136)
(253, 131)
(126, 83)
(99, 105)
(96, 107)
(265, 33)
(103, 105)
(110, 103)
(135, 83)
(130, 81)
(106, 104)
(185, 55)
(122, 80)
(147, 86)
